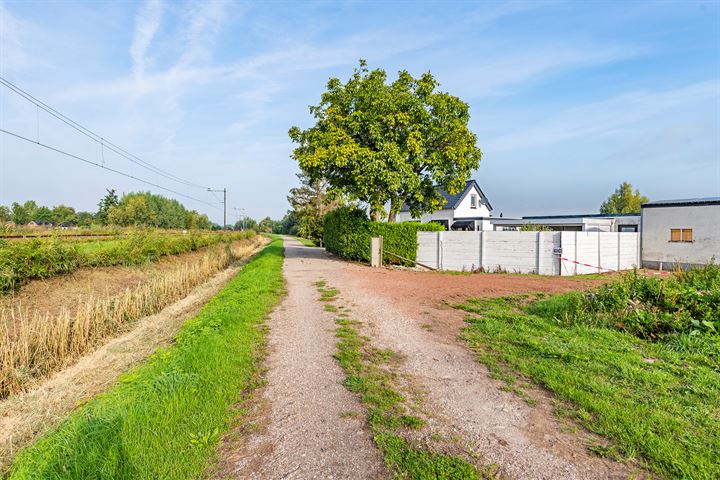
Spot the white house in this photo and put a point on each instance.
(680, 232)
(467, 210)
(592, 222)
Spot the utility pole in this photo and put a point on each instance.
(224, 192)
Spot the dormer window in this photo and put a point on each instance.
(473, 201)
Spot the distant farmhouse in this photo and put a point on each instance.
(468, 210)
(680, 233)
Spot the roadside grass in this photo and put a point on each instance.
(370, 376)
(163, 418)
(657, 405)
(305, 241)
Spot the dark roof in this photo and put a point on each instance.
(683, 202)
(452, 201)
(589, 215)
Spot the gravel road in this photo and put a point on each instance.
(301, 428)
(307, 424)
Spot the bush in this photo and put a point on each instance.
(348, 231)
(650, 308)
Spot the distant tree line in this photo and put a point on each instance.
(136, 209)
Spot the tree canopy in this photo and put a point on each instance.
(386, 143)
(145, 209)
(623, 200)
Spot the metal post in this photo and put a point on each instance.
(224, 208)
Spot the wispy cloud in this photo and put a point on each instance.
(600, 118)
(147, 24)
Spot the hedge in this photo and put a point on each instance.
(348, 231)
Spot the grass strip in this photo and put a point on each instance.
(655, 404)
(305, 241)
(370, 378)
(163, 418)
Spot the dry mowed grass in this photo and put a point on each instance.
(37, 340)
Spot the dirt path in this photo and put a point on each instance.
(25, 416)
(299, 431)
(307, 423)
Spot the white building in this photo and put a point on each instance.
(593, 222)
(468, 210)
(680, 232)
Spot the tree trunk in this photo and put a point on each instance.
(394, 207)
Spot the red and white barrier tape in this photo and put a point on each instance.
(587, 265)
(602, 268)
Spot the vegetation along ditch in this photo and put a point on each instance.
(45, 257)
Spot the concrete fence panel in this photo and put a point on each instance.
(529, 252)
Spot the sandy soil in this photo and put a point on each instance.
(298, 431)
(301, 427)
(25, 416)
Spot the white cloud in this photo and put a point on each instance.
(604, 117)
(147, 24)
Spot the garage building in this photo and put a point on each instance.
(680, 233)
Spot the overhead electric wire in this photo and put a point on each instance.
(95, 137)
(71, 155)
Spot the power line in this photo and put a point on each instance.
(104, 143)
(71, 155)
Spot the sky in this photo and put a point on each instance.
(567, 99)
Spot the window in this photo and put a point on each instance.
(681, 235)
(473, 201)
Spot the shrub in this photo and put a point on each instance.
(348, 231)
(650, 308)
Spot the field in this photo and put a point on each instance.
(21, 261)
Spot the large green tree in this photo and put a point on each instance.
(623, 200)
(388, 143)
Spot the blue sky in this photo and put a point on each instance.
(568, 99)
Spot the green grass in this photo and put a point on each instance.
(164, 418)
(370, 376)
(305, 241)
(656, 404)
(94, 246)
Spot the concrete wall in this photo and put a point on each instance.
(518, 252)
(528, 252)
(656, 244)
(603, 251)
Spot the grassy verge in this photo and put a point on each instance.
(305, 241)
(655, 403)
(163, 419)
(371, 376)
